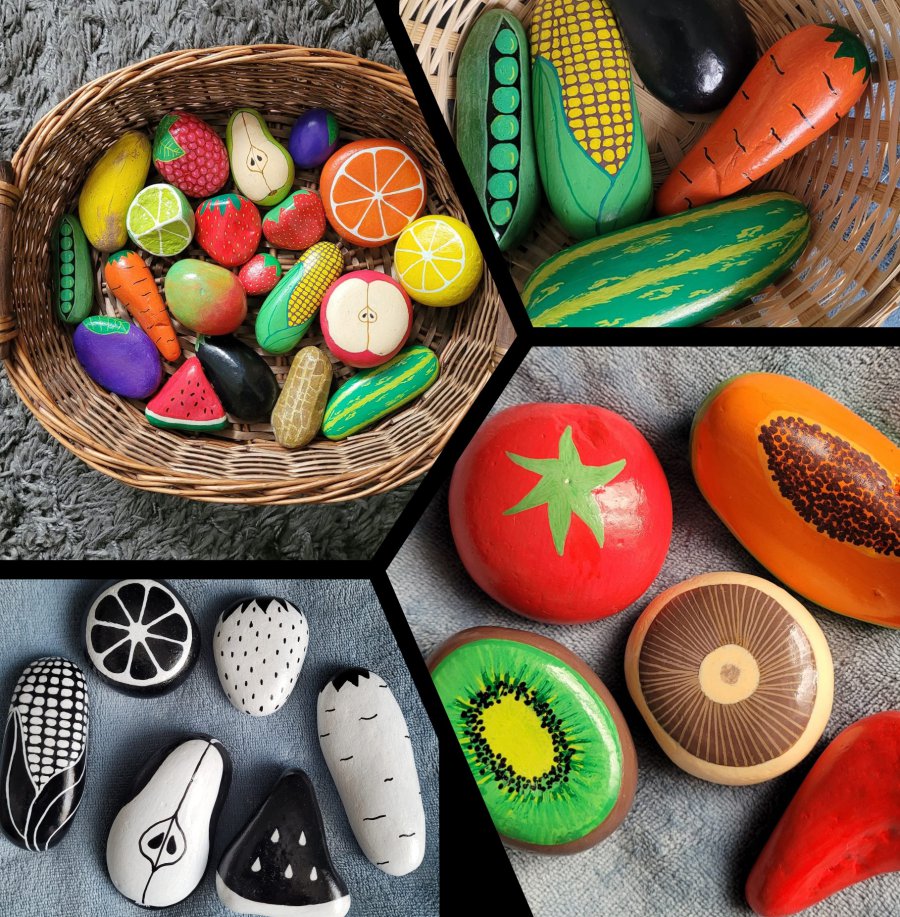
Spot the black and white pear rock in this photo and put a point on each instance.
(44, 753)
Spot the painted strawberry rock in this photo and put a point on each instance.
(228, 229)
(260, 274)
(189, 154)
(297, 222)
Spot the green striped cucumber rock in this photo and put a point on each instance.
(493, 124)
(374, 393)
(675, 271)
(72, 273)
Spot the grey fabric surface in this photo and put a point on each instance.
(687, 845)
(347, 628)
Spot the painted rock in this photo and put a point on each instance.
(261, 167)
(297, 417)
(366, 318)
(158, 846)
(160, 220)
(545, 739)
(44, 750)
(118, 355)
(297, 223)
(289, 309)
(241, 378)
(818, 503)
(260, 274)
(801, 87)
(71, 271)
(279, 864)
(493, 97)
(591, 152)
(373, 394)
(228, 229)
(110, 188)
(190, 155)
(187, 401)
(366, 745)
(372, 190)
(561, 512)
(674, 271)
(842, 826)
(204, 297)
(314, 137)
(259, 648)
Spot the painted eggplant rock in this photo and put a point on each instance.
(366, 745)
(241, 378)
(278, 864)
(44, 749)
(158, 846)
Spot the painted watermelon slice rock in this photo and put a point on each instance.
(187, 401)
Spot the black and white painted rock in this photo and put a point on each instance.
(158, 846)
(366, 745)
(259, 647)
(278, 865)
(44, 751)
(140, 637)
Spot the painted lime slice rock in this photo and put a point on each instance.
(187, 401)
(72, 275)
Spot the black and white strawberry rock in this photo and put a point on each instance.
(44, 752)
(158, 846)
(140, 637)
(259, 647)
(366, 745)
(278, 865)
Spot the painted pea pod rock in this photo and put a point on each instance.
(261, 167)
(72, 274)
(205, 297)
(673, 271)
(118, 355)
(818, 501)
(298, 414)
(242, 379)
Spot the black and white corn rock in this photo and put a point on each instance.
(44, 751)
(366, 745)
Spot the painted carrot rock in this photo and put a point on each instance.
(801, 87)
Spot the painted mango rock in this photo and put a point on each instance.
(591, 152)
(241, 378)
(228, 229)
(260, 274)
(72, 274)
(261, 167)
(297, 223)
(190, 155)
(118, 355)
(298, 414)
(314, 137)
(205, 297)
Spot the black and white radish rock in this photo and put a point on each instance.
(366, 744)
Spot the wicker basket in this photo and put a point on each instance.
(244, 464)
(850, 274)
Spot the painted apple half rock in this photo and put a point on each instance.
(561, 512)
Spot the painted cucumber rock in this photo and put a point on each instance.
(591, 152)
(674, 271)
(493, 124)
(374, 393)
(72, 273)
(261, 167)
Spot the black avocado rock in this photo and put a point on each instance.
(241, 378)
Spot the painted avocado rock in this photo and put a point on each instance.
(158, 846)
(261, 167)
(71, 271)
(278, 865)
(118, 356)
(289, 309)
(314, 137)
(591, 152)
(260, 274)
(297, 223)
(44, 752)
(190, 155)
(366, 745)
(674, 271)
(297, 417)
(493, 96)
(228, 229)
(372, 394)
(241, 378)
(205, 297)
(187, 401)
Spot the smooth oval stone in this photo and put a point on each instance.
(118, 355)
(190, 155)
(260, 274)
(44, 752)
(297, 417)
(72, 274)
(297, 223)
(242, 379)
(205, 297)
(314, 137)
(261, 167)
(229, 228)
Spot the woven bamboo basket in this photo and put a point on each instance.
(850, 273)
(244, 464)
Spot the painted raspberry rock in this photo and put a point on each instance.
(189, 154)
(228, 229)
(297, 223)
(260, 274)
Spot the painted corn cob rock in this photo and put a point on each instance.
(493, 124)
(374, 393)
(301, 405)
(591, 152)
(674, 271)
(72, 273)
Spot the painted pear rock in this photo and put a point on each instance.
(228, 229)
(118, 356)
(158, 846)
(259, 648)
(72, 274)
(366, 745)
(187, 401)
(297, 417)
(205, 297)
(260, 274)
(241, 378)
(190, 155)
(297, 223)
(44, 751)
(278, 865)
(261, 167)
(314, 137)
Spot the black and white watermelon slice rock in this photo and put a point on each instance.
(44, 752)
(187, 401)
(366, 745)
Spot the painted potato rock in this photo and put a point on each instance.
(373, 394)
(72, 274)
(493, 97)
(260, 274)
(118, 356)
(44, 750)
(297, 223)
(228, 229)
(241, 378)
(818, 503)
(366, 745)
(158, 846)
(297, 417)
(801, 87)
(314, 137)
(672, 272)
(755, 675)
(190, 155)
(545, 739)
(560, 512)
(366, 318)
(187, 401)
(279, 864)
(261, 167)
(289, 309)
(205, 297)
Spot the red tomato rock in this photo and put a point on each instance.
(228, 229)
(297, 223)
(260, 274)
(561, 512)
